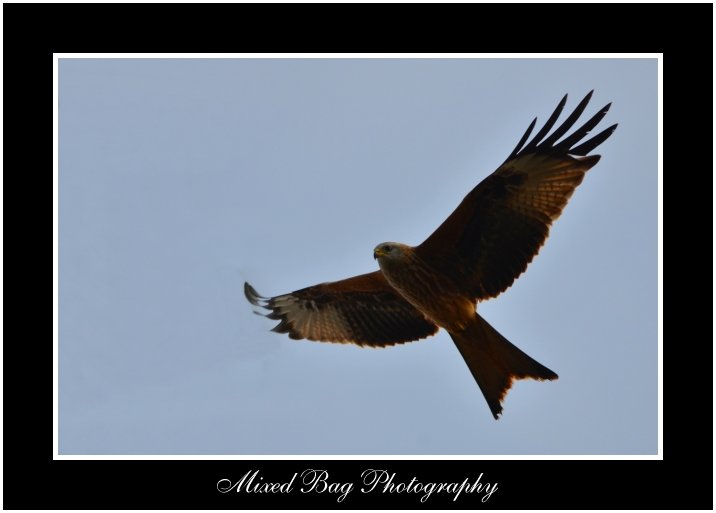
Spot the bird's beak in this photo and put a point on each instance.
(377, 252)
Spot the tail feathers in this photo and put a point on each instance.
(495, 362)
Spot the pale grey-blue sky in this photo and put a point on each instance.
(180, 179)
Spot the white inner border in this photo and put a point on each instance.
(55, 266)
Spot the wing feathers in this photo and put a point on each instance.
(579, 134)
(503, 222)
(523, 139)
(589, 145)
(545, 129)
(573, 117)
(363, 310)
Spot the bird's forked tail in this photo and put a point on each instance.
(495, 362)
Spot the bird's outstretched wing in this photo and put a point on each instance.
(363, 310)
(489, 240)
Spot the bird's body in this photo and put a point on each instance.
(426, 288)
(474, 255)
(493, 361)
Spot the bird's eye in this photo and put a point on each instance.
(388, 248)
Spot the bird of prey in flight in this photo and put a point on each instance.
(474, 255)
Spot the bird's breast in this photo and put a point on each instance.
(431, 292)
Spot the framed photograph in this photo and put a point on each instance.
(194, 190)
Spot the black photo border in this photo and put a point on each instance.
(33, 32)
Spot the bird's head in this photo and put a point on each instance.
(389, 251)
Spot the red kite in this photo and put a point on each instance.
(476, 254)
